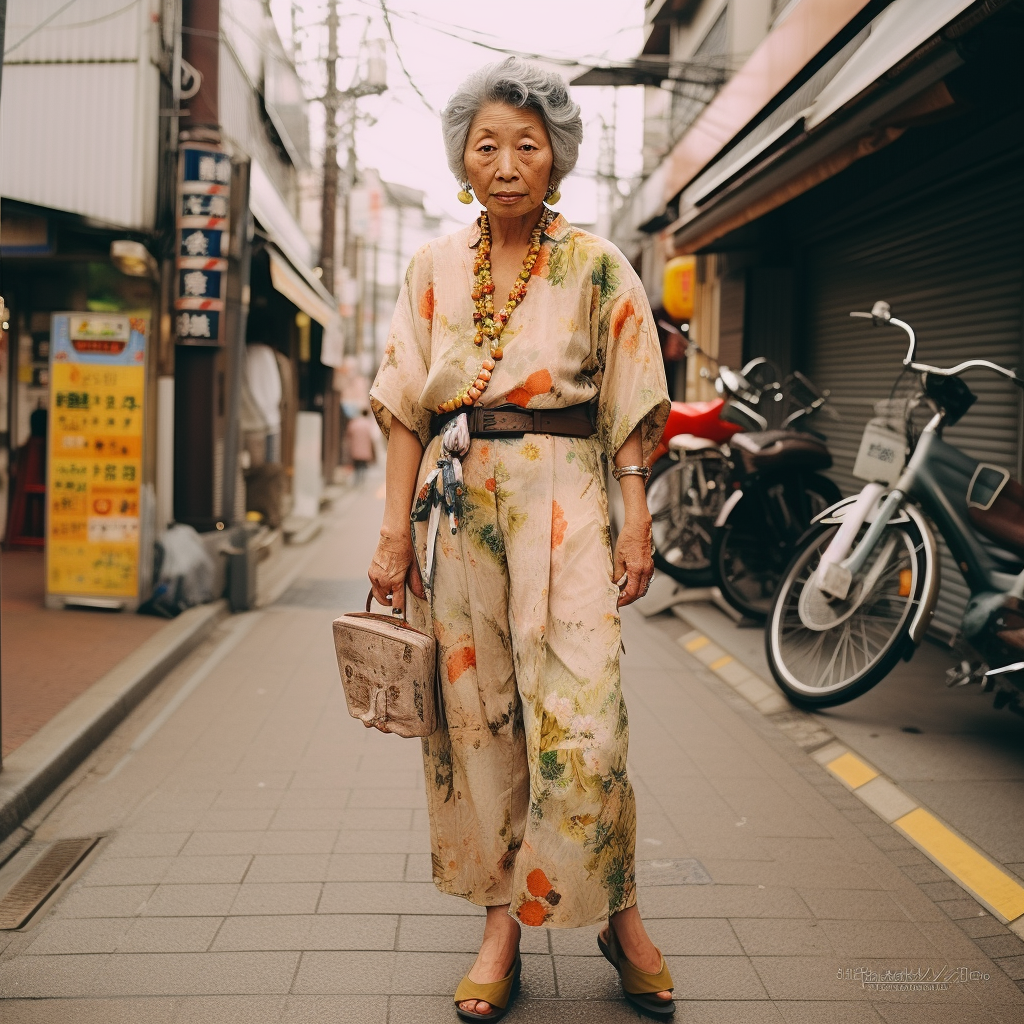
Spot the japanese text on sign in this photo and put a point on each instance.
(95, 454)
(204, 176)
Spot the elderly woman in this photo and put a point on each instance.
(521, 358)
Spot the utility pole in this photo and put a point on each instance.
(329, 200)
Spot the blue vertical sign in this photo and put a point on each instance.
(204, 193)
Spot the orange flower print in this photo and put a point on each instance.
(459, 660)
(626, 326)
(538, 884)
(540, 268)
(559, 524)
(490, 484)
(427, 303)
(622, 313)
(538, 383)
(532, 913)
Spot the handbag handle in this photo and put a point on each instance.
(395, 612)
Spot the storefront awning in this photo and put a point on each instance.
(899, 30)
(319, 308)
(803, 142)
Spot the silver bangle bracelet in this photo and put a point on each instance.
(620, 471)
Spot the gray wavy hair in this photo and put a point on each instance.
(521, 84)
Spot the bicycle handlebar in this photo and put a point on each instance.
(882, 314)
(968, 365)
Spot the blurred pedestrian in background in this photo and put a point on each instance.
(501, 415)
(360, 433)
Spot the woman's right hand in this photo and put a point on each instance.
(392, 567)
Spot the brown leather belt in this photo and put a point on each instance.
(513, 421)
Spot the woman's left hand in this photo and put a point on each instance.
(633, 558)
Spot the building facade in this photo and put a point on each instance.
(862, 151)
(99, 216)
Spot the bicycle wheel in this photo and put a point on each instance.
(824, 653)
(684, 497)
(751, 551)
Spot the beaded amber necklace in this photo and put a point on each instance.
(490, 325)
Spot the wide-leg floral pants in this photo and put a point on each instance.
(526, 785)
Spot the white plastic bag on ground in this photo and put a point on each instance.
(184, 573)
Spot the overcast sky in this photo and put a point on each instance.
(405, 142)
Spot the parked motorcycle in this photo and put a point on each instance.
(777, 489)
(861, 590)
(691, 468)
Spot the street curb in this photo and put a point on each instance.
(44, 760)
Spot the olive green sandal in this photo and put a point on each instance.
(498, 993)
(638, 986)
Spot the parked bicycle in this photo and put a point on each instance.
(861, 590)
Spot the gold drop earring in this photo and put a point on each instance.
(553, 195)
(464, 195)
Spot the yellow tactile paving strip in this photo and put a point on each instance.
(852, 770)
(985, 880)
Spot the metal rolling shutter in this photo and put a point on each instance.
(953, 268)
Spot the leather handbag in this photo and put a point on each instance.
(388, 672)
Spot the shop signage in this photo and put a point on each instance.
(94, 464)
(204, 192)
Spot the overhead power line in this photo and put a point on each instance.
(401, 62)
(587, 60)
(38, 28)
(103, 17)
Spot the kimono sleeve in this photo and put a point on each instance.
(633, 389)
(403, 372)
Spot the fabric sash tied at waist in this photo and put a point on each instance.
(442, 490)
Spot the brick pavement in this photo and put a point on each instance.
(266, 858)
(50, 656)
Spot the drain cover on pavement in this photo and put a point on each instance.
(672, 872)
(29, 892)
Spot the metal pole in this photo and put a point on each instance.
(329, 200)
(237, 311)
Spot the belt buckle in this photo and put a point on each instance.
(488, 419)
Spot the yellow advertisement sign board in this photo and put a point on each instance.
(94, 464)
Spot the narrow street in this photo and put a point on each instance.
(265, 859)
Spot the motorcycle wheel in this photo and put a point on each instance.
(681, 524)
(751, 551)
(833, 664)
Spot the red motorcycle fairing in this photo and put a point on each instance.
(698, 418)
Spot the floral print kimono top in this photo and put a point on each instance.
(584, 330)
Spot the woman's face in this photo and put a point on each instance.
(508, 159)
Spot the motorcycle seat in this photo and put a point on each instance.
(781, 449)
(1003, 520)
(690, 443)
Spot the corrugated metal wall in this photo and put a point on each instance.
(79, 118)
(952, 266)
(82, 138)
(89, 30)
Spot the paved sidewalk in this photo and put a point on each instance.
(266, 858)
(50, 656)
